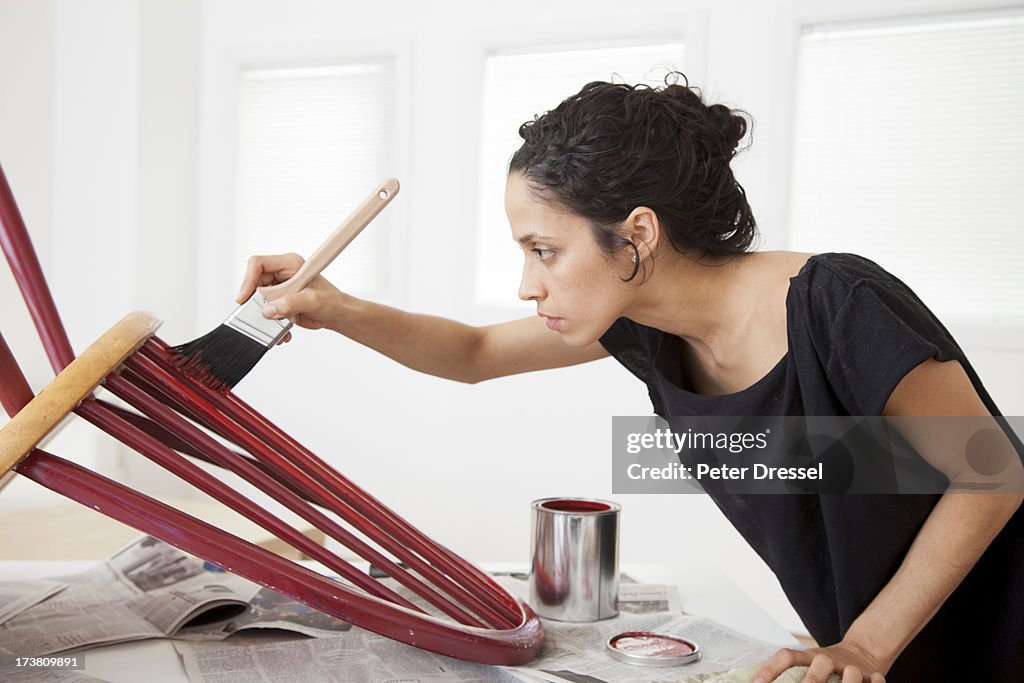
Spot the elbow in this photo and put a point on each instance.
(473, 369)
(473, 375)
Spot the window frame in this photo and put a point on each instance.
(690, 27)
(218, 178)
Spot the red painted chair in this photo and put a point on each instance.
(455, 609)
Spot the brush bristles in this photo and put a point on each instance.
(219, 359)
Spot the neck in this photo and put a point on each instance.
(700, 302)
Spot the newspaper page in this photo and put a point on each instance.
(223, 603)
(271, 610)
(572, 653)
(173, 588)
(31, 675)
(357, 656)
(18, 596)
(146, 590)
(92, 610)
(577, 651)
(746, 673)
(50, 676)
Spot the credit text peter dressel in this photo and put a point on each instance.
(704, 471)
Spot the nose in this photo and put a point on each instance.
(530, 287)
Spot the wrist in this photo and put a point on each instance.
(875, 643)
(345, 314)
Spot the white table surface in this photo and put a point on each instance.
(703, 590)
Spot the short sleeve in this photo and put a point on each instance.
(880, 332)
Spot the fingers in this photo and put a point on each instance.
(305, 308)
(267, 270)
(852, 674)
(780, 661)
(820, 665)
(821, 668)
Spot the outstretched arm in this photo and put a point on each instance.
(430, 344)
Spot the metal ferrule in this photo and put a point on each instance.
(249, 320)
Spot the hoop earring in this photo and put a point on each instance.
(636, 263)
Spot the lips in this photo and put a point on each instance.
(551, 321)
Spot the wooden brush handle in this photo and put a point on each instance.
(329, 250)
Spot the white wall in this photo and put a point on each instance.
(26, 154)
(116, 132)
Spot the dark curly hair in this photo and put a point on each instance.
(612, 147)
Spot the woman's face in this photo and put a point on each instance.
(577, 288)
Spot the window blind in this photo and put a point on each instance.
(517, 86)
(313, 142)
(908, 147)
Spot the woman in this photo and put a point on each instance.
(636, 238)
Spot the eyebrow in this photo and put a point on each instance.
(531, 236)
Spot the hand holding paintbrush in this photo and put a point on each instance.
(308, 308)
(221, 358)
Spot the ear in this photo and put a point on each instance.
(643, 229)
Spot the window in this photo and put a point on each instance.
(517, 86)
(908, 141)
(313, 142)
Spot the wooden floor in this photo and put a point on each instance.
(69, 531)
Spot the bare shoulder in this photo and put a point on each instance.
(782, 265)
(526, 345)
(768, 276)
(769, 285)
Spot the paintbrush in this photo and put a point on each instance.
(221, 358)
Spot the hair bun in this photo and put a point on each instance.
(729, 124)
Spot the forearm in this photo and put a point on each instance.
(437, 346)
(953, 538)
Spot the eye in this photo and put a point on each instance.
(542, 253)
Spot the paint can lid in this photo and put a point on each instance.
(645, 648)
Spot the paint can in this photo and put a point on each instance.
(574, 559)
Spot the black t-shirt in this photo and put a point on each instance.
(854, 332)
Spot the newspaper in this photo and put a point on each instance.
(146, 590)
(18, 596)
(355, 657)
(745, 674)
(49, 676)
(31, 675)
(572, 653)
(577, 651)
(150, 589)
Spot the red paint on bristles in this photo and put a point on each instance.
(218, 359)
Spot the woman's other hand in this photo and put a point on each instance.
(849, 660)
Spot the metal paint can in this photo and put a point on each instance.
(574, 559)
